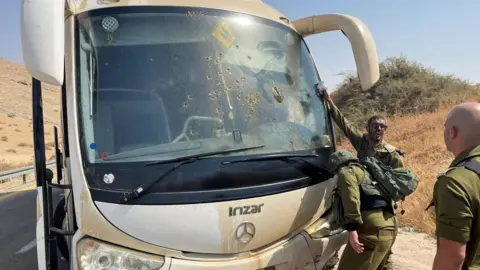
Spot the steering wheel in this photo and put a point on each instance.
(195, 118)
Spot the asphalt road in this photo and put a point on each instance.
(17, 231)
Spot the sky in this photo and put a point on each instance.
(440, 34)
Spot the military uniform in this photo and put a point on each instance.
(456, 196)
(365, 211)
(384, 152)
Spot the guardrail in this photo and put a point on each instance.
(6, 176)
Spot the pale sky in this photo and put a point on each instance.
(440, 34)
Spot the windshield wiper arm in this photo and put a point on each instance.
(284, 157)
(137, 192)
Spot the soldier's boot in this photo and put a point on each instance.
(375, 249)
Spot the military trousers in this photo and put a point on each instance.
(387, 263)
(376, 246)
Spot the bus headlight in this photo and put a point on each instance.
(93, 255)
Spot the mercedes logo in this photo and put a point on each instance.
(245, 232)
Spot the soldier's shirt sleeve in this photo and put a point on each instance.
(397, 161)
(452, 208)
(350, 195)
(352, 133)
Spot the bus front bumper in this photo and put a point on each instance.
(299, 252)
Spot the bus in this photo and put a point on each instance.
(192, 134)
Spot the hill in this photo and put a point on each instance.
(16, 138)
(405, 88)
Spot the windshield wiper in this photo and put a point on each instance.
(137, 192)
(283, 157)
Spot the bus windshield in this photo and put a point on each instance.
(157, 83)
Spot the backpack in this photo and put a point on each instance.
(395, 184)
(369, 187)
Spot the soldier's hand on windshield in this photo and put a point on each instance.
(322, 90)
(354, 243)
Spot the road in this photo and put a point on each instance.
(17, 230)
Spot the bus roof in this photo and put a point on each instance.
(251, 7)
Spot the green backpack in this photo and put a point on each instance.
(395, 184)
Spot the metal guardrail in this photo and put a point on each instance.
(6, 176)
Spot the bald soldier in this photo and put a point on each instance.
(369, 144)
(456, 194)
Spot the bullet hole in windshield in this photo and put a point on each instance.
(186, 103)
(252, 99)
(277, 94)
(214, 94)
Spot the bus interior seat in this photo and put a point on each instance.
(130, 120)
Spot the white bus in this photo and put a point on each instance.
(192, 134)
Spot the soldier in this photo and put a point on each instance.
(456, 193)
(367, 216)
(369, 144)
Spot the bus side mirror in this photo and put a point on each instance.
(42, 34)
(361, 40)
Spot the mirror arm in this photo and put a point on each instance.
(363, 45)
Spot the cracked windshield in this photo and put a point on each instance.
(150, 91)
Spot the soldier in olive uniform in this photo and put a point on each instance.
(369, 144)
(367, 215)
(456, 194)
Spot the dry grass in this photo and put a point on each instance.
(421, 138)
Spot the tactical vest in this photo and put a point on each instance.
(370, 195)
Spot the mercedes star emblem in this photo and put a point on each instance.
(245, 232)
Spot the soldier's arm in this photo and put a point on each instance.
(351, 132)
(350, 195)
(453, 223)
